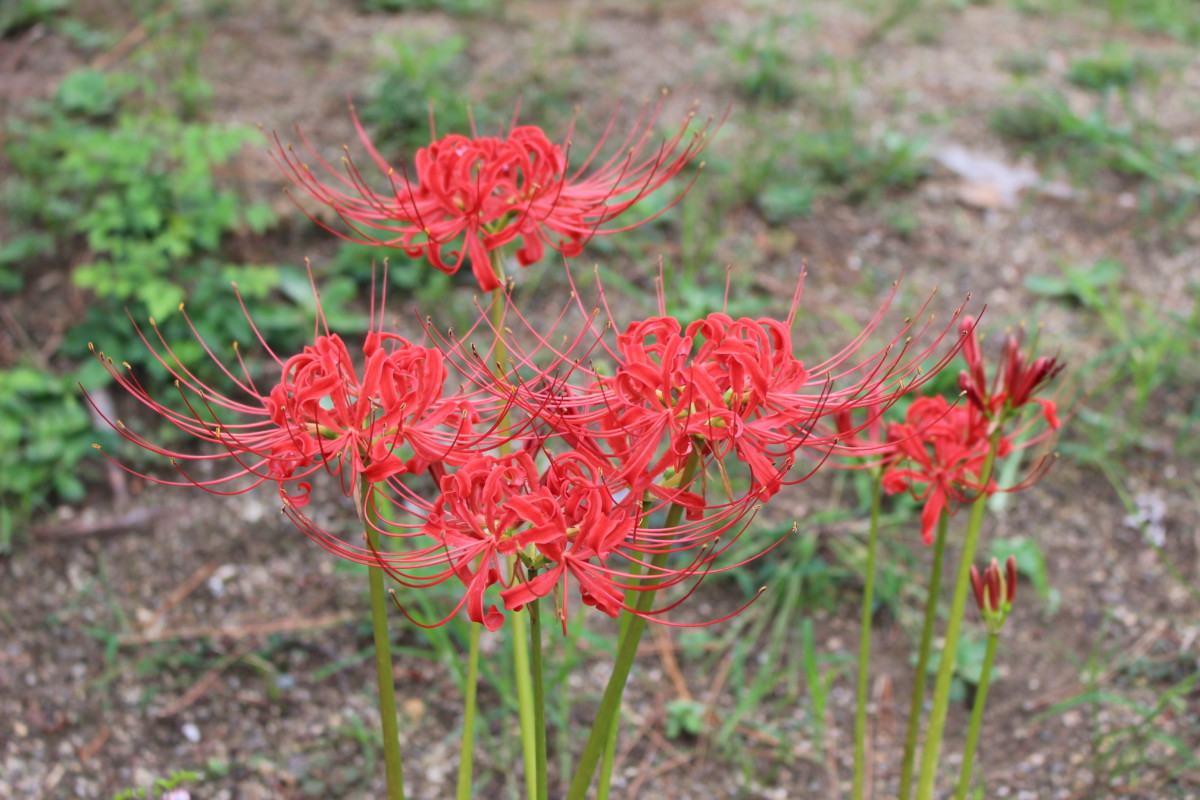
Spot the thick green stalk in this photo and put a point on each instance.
(604, 784)
(524, 678)
(920, 677)
(521, 666)
(864, 644)
(467, 756)
(610, 702)
(985, 677)
(962, 582)
(539, 696)
(383, 660)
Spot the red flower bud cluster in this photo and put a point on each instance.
(1013, 386)
(995, 592)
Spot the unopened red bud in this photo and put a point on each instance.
(977, 585)
(993, 588)
(1010, 567)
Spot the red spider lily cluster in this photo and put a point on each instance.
(518, 484)
(940, 453)
(607, 464)
(470, 196)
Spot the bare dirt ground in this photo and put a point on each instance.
(208, 635)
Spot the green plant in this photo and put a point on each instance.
(684, 717)
(1142, 734)
(139, 192)
(1147, 349)
(761, 66)
(413, 86)
(454, 7)
(1173, 17)
(1045, 124)
(20, 15)
(159, 788)
(1115, 68)
(45, 432)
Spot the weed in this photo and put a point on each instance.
(1137, 744)
(1149, 349)
(1115, 68)
(684, 717)
(1045, 124)
(412, 89)
(161, 787)
(17, 16)
(44, 433)
(452, 7)
(1175, 18)
(140, 193)
(761, 67)
(1023, 64)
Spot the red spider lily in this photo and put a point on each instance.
(385, 416)
(1016, 381)
(513, 532)
(940, 448)
(472, 195)
(730, 391)
(720, 386)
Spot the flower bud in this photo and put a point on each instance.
(995, 591)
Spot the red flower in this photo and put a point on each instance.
(1019, 377)
(722, 386)
(501, 523)
(939, 453)
(383, 417)
(472, 195)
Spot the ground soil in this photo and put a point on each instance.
(170, 630)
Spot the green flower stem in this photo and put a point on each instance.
(920, 676)
(962, 583)
(608, 759)
(864, 644)
(383, 659)
(981, 693)
(520, 638)
(539, 696)
(524, 677)
(604, 785)
(610, 703)
(467, 757)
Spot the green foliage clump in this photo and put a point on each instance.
(1115, 68)
(412, 81)
(139, 191)
(452, 7)
(44, 433)
(160, 787)
(117, 182)
(19, 15)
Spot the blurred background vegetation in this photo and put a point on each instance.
(133, 179)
